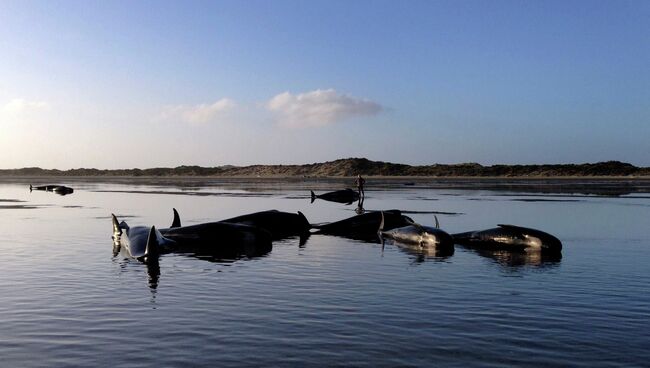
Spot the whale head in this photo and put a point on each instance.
(140, 242)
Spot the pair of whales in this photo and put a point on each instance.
(252, 235)
(58, 189)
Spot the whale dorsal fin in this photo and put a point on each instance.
(177, 219)
(303, 218)
(381, 224)
(152, 243)
(437, 223)
(413, 223)
(116, 225)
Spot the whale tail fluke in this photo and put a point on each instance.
(313, 196)
(30, 188)
(177, 219)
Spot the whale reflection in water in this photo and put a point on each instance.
(516, 259)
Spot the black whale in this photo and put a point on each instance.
(510, 237)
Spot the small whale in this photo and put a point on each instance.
(58, 189)
(510, 237)
(340, 196)
(418, 235)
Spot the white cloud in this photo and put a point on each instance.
(319, 108)
(20, 105)
(198, 114)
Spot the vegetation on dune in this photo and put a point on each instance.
(354, 166)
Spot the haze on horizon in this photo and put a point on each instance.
(120, 84)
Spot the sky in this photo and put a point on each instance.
(125, 84)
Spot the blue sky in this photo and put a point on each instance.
(119, 84)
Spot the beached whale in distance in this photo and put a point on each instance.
(219, 239)
(340, 196)
(58, 189)
(418, 235)
(364, 226)
(510, 237)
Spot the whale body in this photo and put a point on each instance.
(510, 237)
(58, 189)
(419, 235)
(364, 226)
(279, 224)
(340, 196)
(215, 238)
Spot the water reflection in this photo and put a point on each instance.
(230, 255)
(422, 254)
(360, 210)
(517, 259)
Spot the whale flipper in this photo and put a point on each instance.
(177, 219)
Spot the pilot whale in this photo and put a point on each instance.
(139, 242)
(418, 235)
(279, 224)
(340, 196)
(510, 237)
(216, 238)
(364, 226)
(58, 189)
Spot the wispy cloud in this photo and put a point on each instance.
(319, 108)
(21, 105)
(198, 114)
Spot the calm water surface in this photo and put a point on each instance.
(65, 300)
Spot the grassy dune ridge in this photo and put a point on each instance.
(354, 166)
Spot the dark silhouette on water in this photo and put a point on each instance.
(279, 224)
(58, 189)
(365, 226)
(360, 210)
(346, 196)
(360, 182)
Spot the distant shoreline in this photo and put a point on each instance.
(351, 167)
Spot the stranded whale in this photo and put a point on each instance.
(510, 237)
(419, 236)
(219, 239)
(340, 196)
(364, 226)
(58, 189)
(279, 224)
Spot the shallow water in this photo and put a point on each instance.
(65, 300)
